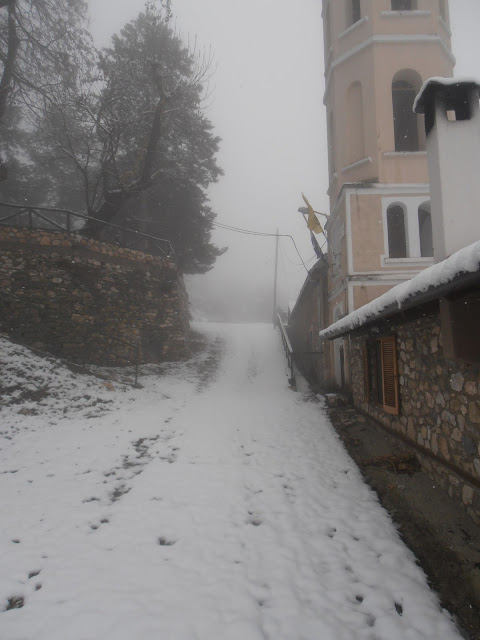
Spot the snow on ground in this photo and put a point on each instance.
(213, 503)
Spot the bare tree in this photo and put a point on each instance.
(41, 43)
(139, 120)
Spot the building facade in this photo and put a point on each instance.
(378, 54)
(414, 352)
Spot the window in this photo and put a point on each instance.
(327, 31)
(380, 373)
(404, 120)
(425, 230)
(355, 124)
(409, 129)
(397, 235)
(459, 320)
(443, 10)
(404, 5)
(355, 12)
(407, 229)
(331, 146)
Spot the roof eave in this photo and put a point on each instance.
(460, 283)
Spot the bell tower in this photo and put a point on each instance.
(378, 54)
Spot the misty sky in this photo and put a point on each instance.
(267, 107)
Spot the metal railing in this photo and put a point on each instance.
(63, 220)
(288, 349)
(136, 348)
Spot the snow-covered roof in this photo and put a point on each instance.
(433, 85)
(466, 260)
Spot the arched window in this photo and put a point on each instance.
(355, 12)
(397, 232)
(425, 230)
(408, 130)
(404, 5)
(355, 124)
(443, 10)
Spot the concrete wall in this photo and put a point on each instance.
(76, 298)
(453, 159)
(439, 405)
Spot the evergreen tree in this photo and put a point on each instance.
(125, 138)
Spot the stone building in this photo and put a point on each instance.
(414, 352)
(415, 368)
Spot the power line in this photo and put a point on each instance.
(298, 264)
(263, 234)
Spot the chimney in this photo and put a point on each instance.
(452, 125)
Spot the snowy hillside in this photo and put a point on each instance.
(212, 503)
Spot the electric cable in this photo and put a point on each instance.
(263, 234)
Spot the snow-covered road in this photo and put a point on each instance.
(213, 504)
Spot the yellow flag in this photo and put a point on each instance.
(312, 223)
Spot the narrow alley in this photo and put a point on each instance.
(214, 502)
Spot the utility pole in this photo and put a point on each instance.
(275, 280)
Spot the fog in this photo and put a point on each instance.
(267, 106)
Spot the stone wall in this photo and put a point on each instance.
(439, 404)
(303, 328)
(82, 299)
(309, 316)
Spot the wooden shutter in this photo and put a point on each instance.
(366, 373)
(389, 375)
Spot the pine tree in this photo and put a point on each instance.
(124, 137)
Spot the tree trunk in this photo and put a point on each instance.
(8, 71)
(106, 213)
(114, 201)
(155, 135)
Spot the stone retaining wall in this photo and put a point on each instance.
(78, 298)
(439, 405)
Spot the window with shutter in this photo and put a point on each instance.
(380, 373)
(366, 374)
(389, 374)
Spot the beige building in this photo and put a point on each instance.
(378, 54)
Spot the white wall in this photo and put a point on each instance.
(454, 166)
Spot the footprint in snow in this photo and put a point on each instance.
(165, 542)
(254, 519)
(15, 602)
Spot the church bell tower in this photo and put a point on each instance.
(378, 54)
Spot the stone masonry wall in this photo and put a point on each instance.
(439, 406)
(78, 298)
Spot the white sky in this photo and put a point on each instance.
(268, 110)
